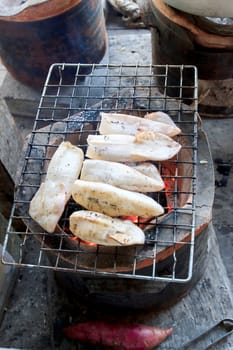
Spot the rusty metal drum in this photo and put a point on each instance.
(50, 32)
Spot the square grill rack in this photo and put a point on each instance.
(71, 100)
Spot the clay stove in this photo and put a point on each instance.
(173, 257)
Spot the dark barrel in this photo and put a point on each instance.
(52, 32)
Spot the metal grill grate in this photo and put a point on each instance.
(69, 108)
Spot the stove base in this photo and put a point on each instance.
(136, 294)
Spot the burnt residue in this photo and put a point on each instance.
(224, 169)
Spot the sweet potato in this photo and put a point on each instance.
(118, 336)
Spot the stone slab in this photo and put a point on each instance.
(7, 278)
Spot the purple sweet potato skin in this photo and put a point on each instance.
(118, 336)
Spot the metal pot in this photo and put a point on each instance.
(210, 8)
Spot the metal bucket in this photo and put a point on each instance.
(52, 32)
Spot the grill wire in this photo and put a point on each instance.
(72, 97)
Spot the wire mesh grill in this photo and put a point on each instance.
(69, 108)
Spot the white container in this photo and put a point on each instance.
(206, 8)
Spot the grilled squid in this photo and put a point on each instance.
(105, 230)
(114, 201)
(117, 123)
(47, 205)
(162, 118)
(121, 175)
(132, 148)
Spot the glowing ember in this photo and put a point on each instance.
(138, 220)
(88, 243)
(74, 238)
(134, 219)
(169, 191)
